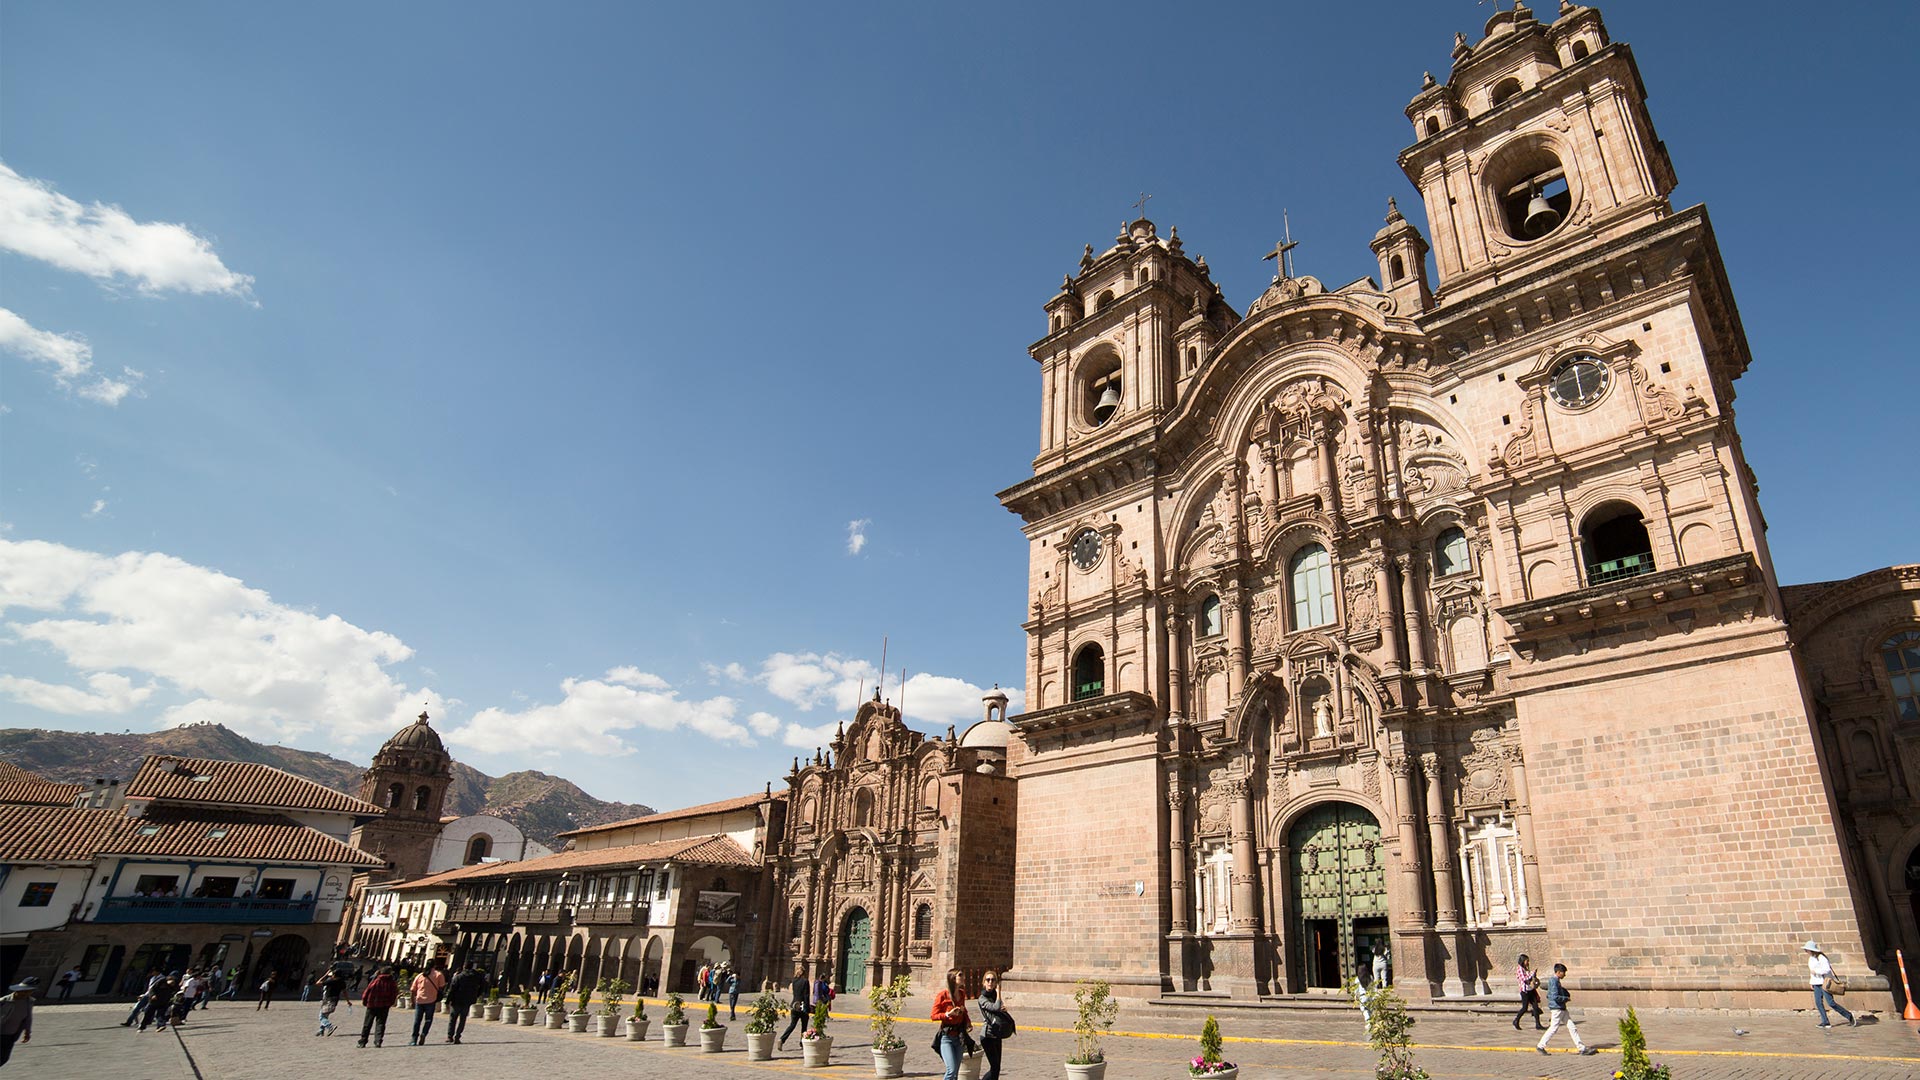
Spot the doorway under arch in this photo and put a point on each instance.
(856, 948)
(1338, 881)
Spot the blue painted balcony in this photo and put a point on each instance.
(180, 909)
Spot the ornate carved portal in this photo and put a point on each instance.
(1338, 881)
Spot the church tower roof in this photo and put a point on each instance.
(417, 736)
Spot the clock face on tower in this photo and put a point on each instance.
(1086, 549)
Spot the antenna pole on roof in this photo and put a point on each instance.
(903, 694)
(880, 685)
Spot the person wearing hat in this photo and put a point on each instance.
(16, 1016)
(1819, 970)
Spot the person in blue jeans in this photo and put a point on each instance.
(1819, 970)
(950, 1012)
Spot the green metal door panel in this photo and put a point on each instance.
(855, 950)
(1339, 873)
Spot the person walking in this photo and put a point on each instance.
(67, 979)
(266, 993)
(462, 992)
(1529, 982)
(233, 984)
(1557, 998)
(733, 994)
(994, 1022)
(1820, 974)
(190, 994)
(146, 996)
(426, 999)
(16, 1016)
(159, 1002)
(950, 1012)
(800, 1001)
(375, 1000)
(332, 987)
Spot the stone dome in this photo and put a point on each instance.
(417, 736)
(988, 735)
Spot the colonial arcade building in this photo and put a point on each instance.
(1427, 617)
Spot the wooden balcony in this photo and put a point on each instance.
(613, 913)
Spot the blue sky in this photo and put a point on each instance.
(536, 362)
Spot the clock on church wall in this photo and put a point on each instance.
(1086, 549)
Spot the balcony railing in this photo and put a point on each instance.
(613, 912)
(544, 913)
(141, 909)
(1624, 567)
(480, 913)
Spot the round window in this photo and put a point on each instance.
(1578, 381)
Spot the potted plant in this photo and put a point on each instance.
(713, 1033)
(404, 980)
(1634, 1063)
(529, 1015)
(816, 1044)
(1210, 1065)
(578, 1020)
(509, 1012)
(493, 1003)
(889, 1049)
(763, 1016)
(1390, 1033)
(1096, 1010)
(557, 1002)
(674, 1026)
(613, 994)
(637, 1023)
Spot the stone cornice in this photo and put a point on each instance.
(1124, 707)
(1809, 607)
(1059, 489)
(1586, 610)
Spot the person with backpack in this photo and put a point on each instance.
(375, 1000)
(462, 992)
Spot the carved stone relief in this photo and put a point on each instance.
(1483, 771)
(1363, 601)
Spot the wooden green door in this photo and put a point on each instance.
(856, 948)
(1339, 875)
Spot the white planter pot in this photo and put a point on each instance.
(556, 1019)
(760, 1046)
(815, 1051)
(577, 1021)
(529, 1016)
(1218, 1074)
(889, 1063)
(509, 1014)
(636, 1029)
(607, 1025)
(713, 1039)
(494, 1009)
(1095, 1071)
(676, 1034)
(970, 1065)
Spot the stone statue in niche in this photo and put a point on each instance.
(1323, 717)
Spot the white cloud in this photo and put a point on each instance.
(633, 676)
(105, 243)
(68, 355)
(593, 714)
(105, 693)
(857, 535)
(731, 673)
(764, 724)
(943, 699)
(805, 680)
(810, 738)
(235, 655)
(99, 507)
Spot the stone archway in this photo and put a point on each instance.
(1337, 878)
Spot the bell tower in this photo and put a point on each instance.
(1537, 145)
(408, 779)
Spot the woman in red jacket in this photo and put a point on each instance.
(950, 1012)
(378, 997)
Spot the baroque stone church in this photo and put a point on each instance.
(1430, 616)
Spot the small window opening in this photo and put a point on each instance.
(1396, 269)
(1901, 656)
(422, 796)
(1310, 573)
(1537, 204)
(1105, 299)
(923, 922)
(1450, 553)
(1506, 90)
(1210, 616)
(1089, 672)
(1617, 545)
(1579, 50)
(1433, 126)
(395, 793)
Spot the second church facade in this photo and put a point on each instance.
(1432, 618)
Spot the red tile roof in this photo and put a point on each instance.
(31, 834)
(10, 771)
(693, 851)
(185, 833)
(445, 877)
(39, 792)
(721, 807)
(237, 783)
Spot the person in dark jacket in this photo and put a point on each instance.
(993, 1015)
(159, 1003)
(799, 1006)
(1557, 997)
(375, 1000)
(462, 992)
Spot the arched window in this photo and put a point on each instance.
(1433, 126)
(1104, 299)
(422, 795)
(1901, 655)
(479, 848)
(923, 922)
(1101, 391)
(1450, 553)
(1310, 573)
(1210, 616)
(1089, 672)
(1579, 50)
(797, 922)
(1617, 544)
(1506, 90)
(863, 808)
(1396, 269)
(395, 793)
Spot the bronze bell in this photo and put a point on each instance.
(1108, 404)
(1541, 217)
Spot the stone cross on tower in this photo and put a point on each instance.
(1140, 204)
(1283, 262)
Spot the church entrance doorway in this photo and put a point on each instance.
(856, 948)
(1339, 884)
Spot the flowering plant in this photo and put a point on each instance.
(820, 1018)
(1209, 1062)
(1634, 1064)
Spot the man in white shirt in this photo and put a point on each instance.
(1819, 970)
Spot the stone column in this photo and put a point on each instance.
(1180, 906)
(1176, 658)
(1439, 839)
(1523, 827)
(1246, 898)
(1323, 472)
(1410, 613)
(1233, 605)
(1237, 528)
(1412, 889)
(1270, 483)
(1389, 612)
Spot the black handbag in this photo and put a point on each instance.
(1000, 1024)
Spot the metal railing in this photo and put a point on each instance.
(193, 909)
(1624, 567)
(613, 912)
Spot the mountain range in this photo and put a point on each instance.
(541, 806)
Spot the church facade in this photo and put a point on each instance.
(1432, 617)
